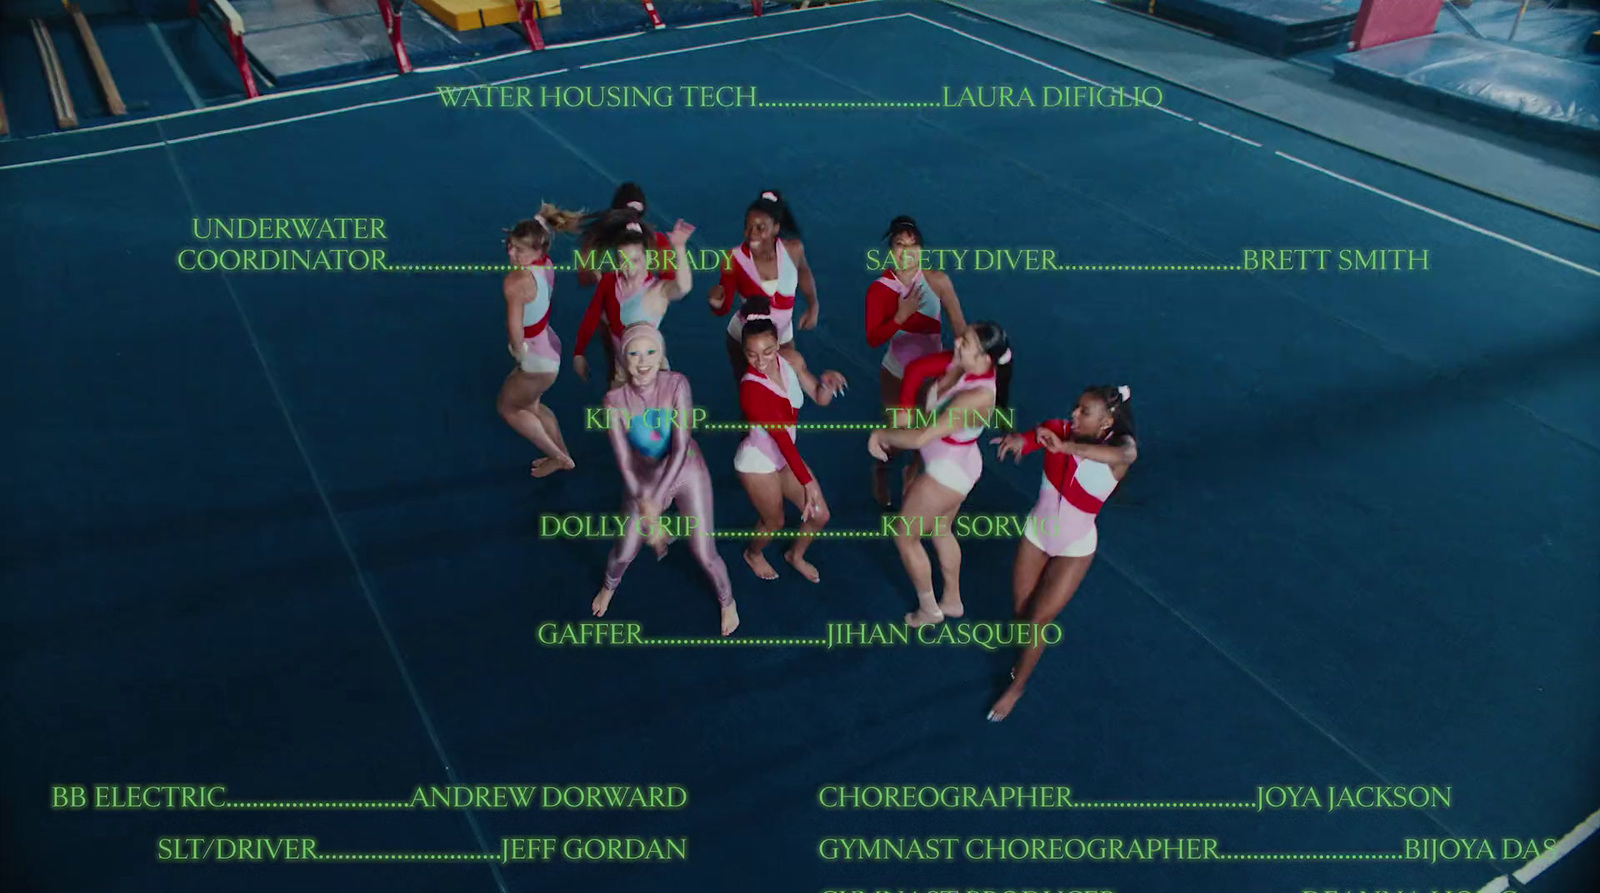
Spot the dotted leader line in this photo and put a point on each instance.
(808, 643)
(315, 804)
(1139, 804)
(407, 857)
(1054, 268)
(1220, 857)
(804, 104)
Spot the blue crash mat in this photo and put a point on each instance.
(1275, 27)
(1470, 78)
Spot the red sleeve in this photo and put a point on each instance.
(761, 405)
(1030, 440)
(882, 303)
(597, 308)
(730, 288)
(920, 372)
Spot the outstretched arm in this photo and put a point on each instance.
(518, 294)
(807, 281)
(1118, 454)
(978, 403)
(591, 317)
(683, 280)
(946, 290)
(770, 411)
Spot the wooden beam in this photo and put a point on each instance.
(101, 70)
(60, 96)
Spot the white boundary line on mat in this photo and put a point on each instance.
(1549, 857)
(382, 102)
(306, 91)
(729, 43)
(1341, 177)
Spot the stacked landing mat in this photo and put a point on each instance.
(466, 15)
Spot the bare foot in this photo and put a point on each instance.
(880, 484)
(550, 465)
(923, 617)
(951, 606)
(730, 619)
(805, 567)
(601, 602)
(758, 563)
(1002, 708)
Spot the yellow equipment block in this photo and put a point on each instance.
(488, 13)
(498, 12)
(462, 15)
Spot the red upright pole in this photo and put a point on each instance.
(243, 60)
(391, 24)
(526, 13)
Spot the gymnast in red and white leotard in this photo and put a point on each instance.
(963, 388)
(768, 266)
(903, 311)
(628, 197)
(771, 393)
(1085, 459)
(642, 287)
(533, 344)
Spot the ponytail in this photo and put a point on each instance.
(618, 227)
(771, 203)
(1118, 401)
(538, 231)
(627, 196)
(997, 344)
(758, 306)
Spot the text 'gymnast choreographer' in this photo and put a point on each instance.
(1017, 849)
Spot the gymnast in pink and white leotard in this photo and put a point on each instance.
(963, 389)
(903, 312)
(1084, 461)
(769, 267)
(531, 340)
(649, 416)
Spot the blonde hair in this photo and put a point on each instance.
(539, 230)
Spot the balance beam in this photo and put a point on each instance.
(102, 71)
(60, 97)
